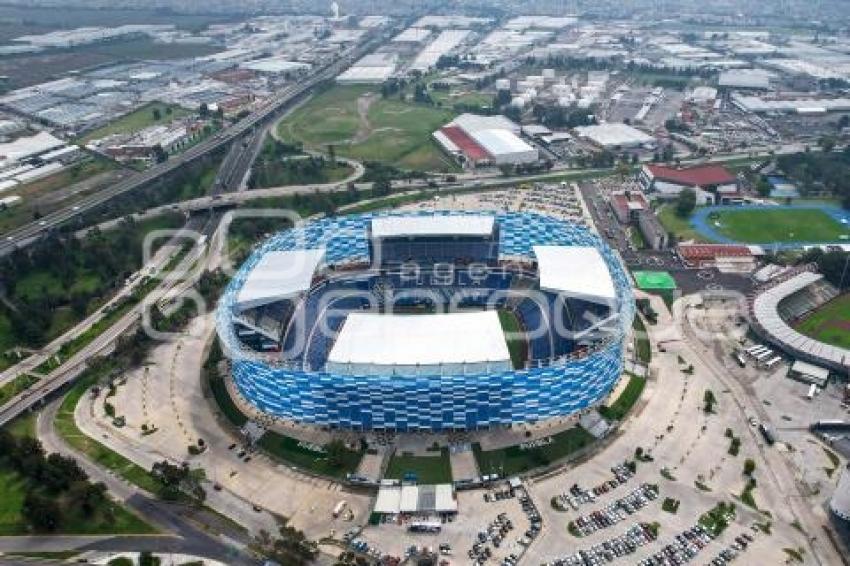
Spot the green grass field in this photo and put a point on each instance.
(390, 131)
(291, 451)
(777, 225)
(427, 469)
(830, 323)
(516, 460)
(680, 227)
(137, 120)
(627, 399)
(517, 345)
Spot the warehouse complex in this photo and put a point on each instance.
(485, 140)
(325, 329)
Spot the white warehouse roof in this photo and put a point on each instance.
(374, 339)
(614, 134)
(274, 65)
(279, 275)
(502, 142)
(576, 271)
(399, 226)
(471, 123)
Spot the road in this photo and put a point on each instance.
(187, 537)
(27, 234)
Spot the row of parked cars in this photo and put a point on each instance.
(535, 524)
(616, 511)
(495, 533)
(732, 551)
(682, 549)
(578, 496)
(636, 536)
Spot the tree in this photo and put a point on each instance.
(686, 202)
(749, 466)
(204, 110)
(157, 114)
(381, 187)
(827, 143)
(42, 512)
(332, 153)
(291, 547)
(763, 188)
(709, 400)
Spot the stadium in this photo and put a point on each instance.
(427, 321)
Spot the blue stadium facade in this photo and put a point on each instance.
(428, 402)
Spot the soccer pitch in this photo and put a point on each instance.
(830, 323)
(776, 225)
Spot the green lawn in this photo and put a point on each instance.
(17, 385)
(393, 131)
(830, 323)
(291, 451)
(627, 399)
(768, 225)
(517, 345)
(675, 224)
(642, 346)
(448, 98)
(427, 469)
(137, 120)
(515, 460)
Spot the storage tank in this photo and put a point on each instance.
(503, 84)
(548, 73)
(840, 501)
(518, 101)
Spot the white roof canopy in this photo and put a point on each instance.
(411, 340)
(277, 276)
(576, 271)
(400, 226)
(810, 370)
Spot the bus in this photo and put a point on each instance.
(424, 527)
(764, 355)
(772, 362)
(758, 351)
(752, 349)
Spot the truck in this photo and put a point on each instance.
(767, 433)
(812, 390)
(340, 507)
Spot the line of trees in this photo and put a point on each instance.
(56, 488)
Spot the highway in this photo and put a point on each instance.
(27, 234)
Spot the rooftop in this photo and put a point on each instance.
(420, 340)
(401, 226)
(576, 271)
(279, 275)
(699, 176)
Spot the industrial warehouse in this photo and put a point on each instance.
(485, 140)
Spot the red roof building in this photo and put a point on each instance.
(704, 176)
(471, 150)
(726, 257)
